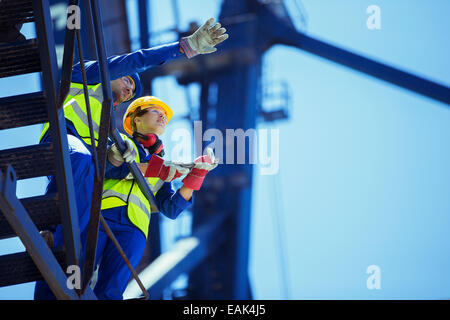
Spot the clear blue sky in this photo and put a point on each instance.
(364, 176)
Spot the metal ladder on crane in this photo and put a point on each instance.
(26, 217)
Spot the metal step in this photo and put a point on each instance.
(16, 11)
(29, 162)
(19, 268)
(23, 110)
(19, 58)
(43, 210)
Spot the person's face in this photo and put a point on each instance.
(153, 121)
(123, 89)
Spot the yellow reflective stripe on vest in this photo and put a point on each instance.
(126, 192)
(112, 202)
(155, 188)
(131, 198)
(75, 110)
(138, 207)
(83, 117)
(74, 91)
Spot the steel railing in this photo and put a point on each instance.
(107, 129)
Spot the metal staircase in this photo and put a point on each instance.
(25, 217)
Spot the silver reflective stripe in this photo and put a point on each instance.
(76, 91)
(157, 186)
(154, 188)
(83, 116)
(97, 94)
(133, 199)
(112, 193)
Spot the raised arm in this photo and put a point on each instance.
(126, 64)
(202, 41)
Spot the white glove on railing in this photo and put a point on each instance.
(204, 39)
(116, 159)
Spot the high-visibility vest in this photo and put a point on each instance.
(117, 193)
(75, 110)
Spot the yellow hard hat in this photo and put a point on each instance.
(144, 103)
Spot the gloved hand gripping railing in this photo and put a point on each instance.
(137, 174)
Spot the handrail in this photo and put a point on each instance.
(107, 127)
(124, 257)
(88, 105)
(67, 62)
(95, 160)
(97, 190)
(57, 129)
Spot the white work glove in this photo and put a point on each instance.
(204, 39)
(116, 159)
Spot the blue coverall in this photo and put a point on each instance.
(79, 152)
(113, 273)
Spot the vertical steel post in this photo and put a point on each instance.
(66, 69)
(58, 133)
(105, 119)
(107, 123)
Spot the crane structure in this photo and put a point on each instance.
(221, 217)
(216, 253)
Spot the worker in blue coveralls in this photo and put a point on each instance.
(125, 84)
(124, 206)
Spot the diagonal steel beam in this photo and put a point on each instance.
(271, 31)
(284, 34)
(373, 68)
(58, 133)
(105, 118)
(36, 246)
(182, 258)
(107, 128)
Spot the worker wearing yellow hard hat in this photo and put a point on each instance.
(125, 85)
(142, 104)
(124, 206)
